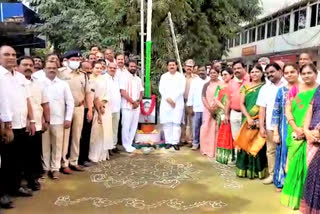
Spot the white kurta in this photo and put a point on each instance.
(172, 86)
(101, 134)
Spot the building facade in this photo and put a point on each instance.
(282, 35)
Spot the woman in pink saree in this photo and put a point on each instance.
(209, 129)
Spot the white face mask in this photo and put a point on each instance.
(65, 63)
(74, 65)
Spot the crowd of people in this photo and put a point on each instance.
(62, 114)
(265, 122)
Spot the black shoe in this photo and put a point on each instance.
(168, 146)
(176, 147)
(115, 151)
(5, 202)
(24, 192)
(89, 164)
(34, 185)
(110, 153)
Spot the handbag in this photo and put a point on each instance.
(225, 140)
(249, 139)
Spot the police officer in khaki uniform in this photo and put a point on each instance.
(77, 81)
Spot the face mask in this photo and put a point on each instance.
(74, 65)
(65, 63)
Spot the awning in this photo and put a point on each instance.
(23, 41)
(17, 13)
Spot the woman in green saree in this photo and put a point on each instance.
(299, 98)
(248, 165)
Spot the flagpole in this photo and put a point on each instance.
(142, 39)
(148, 50)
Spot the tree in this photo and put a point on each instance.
(202, 26)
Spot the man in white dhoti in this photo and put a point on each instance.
(132, 92)
(172, 87)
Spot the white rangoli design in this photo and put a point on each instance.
(227, 174)
(65, 201)
(137, 173)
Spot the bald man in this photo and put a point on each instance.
(13, 155)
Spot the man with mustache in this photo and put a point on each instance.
(131, 92)
(6, 136)
(121, 68)
(172, 87)
(109, 55)
(232, 110)
(187, 127)
(265, 101)
(13, 156)
(61, 110)
(40, 105)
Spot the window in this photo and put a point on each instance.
(300, 19)
(284, 24)
(261, 32)
(272, 29)
(230, 43)
(237, 40)
(318, 19)
(252, 35)
(244, 37)
(313, 21)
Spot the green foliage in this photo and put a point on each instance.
(201, 26)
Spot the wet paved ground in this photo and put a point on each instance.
(164, 181)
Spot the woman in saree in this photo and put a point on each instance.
(101, 132)
(310, 203)
(248, 165)
(225, 152)
(279, 122)
(298, 101)
(209, 128)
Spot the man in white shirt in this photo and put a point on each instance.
(40, 106)
(6, 136)
(195, 104)
(115, 101)
(265, 101)
(132, 92)
(121, 68)
(187, 126)
(38, 68)
(61, 110)
(14, 156)
(172, 87)
(109, 55)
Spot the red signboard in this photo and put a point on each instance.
(249, 51)
(284, 58)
